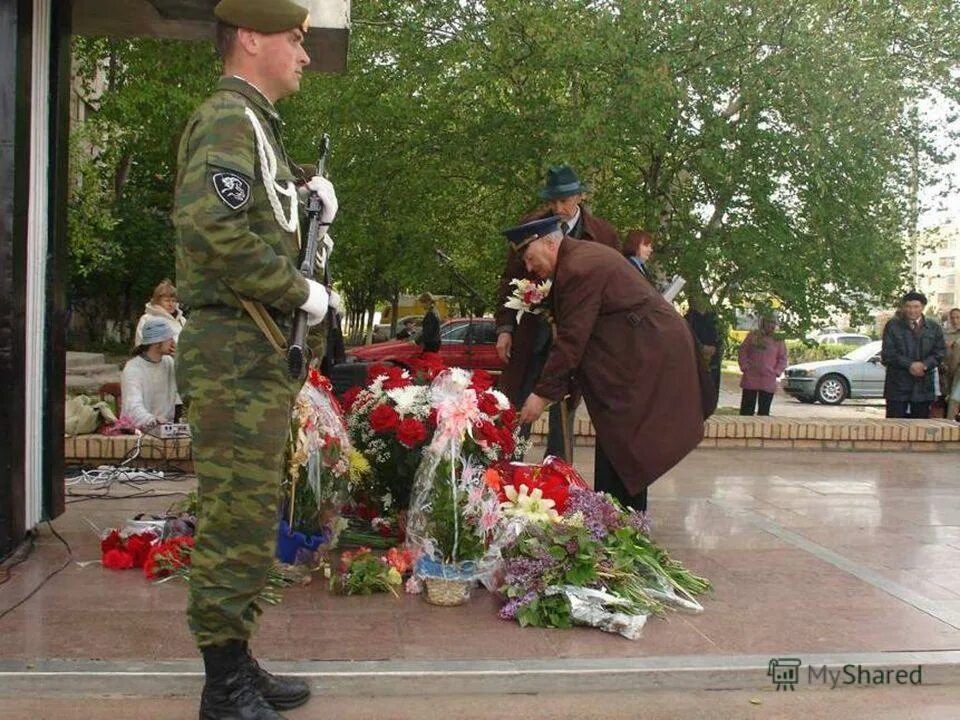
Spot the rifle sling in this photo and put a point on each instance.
(267, 325)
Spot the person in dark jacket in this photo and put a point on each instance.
(703, 322)
(912, 350)
(524, 345)
(430, 337)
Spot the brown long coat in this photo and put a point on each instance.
(525, 334)
(631, 354)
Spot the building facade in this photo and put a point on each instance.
(939, 269)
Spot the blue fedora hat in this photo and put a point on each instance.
(522, 235)
(562, 181)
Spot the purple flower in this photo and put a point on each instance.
(640, 521)
(600, 516)
(528, 573)
(510, 609)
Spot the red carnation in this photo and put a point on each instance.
(428, 365)
(505, 440)
(488, 404)
(487, 431)
(117, 559)
(482, 380)
(138, 546)
(111, 542)
(395, 379)
(167, 557)
(411, 432)
(350, 397)
(509, 418)
(375, 371)
(383, 418)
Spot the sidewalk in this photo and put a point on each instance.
(829, 557)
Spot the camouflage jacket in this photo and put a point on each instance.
(228, 240)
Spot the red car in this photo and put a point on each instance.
(464, 342)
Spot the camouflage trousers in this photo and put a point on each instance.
(240, 400)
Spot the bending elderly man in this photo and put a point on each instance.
(626, 348)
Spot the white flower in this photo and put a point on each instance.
(528, 505)
(407, 399)
(502, 400)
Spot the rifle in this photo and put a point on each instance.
(296, 347)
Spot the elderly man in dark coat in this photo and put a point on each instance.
(524, 346)
(912, 351)
(628, 350)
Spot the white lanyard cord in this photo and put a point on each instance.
(268, 167)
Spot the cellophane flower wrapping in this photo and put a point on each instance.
(321, 459)
(595, 564)
(454, 511)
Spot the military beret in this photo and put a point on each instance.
(522, 235)
(265, 17)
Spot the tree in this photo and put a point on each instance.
(771, 146)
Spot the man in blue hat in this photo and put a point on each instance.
(626, 349)
(524, 346)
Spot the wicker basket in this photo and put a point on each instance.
(447, 592)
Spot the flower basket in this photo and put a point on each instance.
(446, 584)
(448, 593)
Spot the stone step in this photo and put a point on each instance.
(547, 675)
(80, 359)
(98, 369)
(87, 384)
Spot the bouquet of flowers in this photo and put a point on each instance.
(454, 509)
(363, 573)
(528, 296)
(390, 421)
(320, 464)
(594, 564)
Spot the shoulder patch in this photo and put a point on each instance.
(232, 188)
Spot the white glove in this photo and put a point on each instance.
(336, 302)
(317, 303)
(328, 197)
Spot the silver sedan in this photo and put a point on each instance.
(858, 374)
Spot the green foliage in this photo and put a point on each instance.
(364, 574)
(800, 352)
(446, 524)
(771, 145)
(123, 161)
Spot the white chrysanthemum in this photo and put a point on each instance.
(407, 399)
(502, 400)
(461, 377)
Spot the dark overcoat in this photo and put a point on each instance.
(528, 334)
(900, 348)
(632, 356)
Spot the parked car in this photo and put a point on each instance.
(858, 374)
(464, 342)
(843, 339)
(381, 333)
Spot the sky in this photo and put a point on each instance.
(936, 210)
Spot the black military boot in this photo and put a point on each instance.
(281, 692)
(230, 691)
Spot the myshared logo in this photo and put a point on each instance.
(786, 674)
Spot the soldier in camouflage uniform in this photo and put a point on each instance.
(236, 217)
